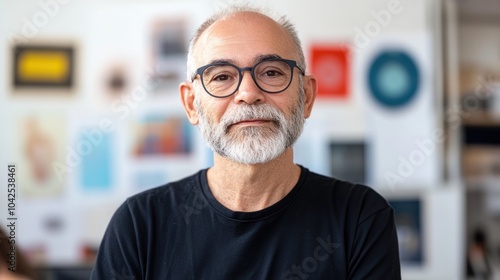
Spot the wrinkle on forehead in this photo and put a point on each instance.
(244, 27)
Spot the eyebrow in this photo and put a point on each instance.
(263, 57)
(257, 59)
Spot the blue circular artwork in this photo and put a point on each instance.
(393, 78)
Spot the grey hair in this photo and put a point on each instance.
(231, 10)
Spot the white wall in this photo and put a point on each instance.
(443, 213)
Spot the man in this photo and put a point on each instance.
(254, 214)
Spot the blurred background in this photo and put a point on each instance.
(409, 104)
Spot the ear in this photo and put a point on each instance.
(310, 90)
(187, 98)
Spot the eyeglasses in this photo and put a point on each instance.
(223, 79)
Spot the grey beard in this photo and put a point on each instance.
(252, 144)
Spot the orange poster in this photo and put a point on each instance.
(331, 65)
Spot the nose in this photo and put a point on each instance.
(248, 92)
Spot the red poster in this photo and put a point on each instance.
(330, 64)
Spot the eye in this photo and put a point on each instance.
(273, 73)
(272, 69)
(221, 78)
(220, 74)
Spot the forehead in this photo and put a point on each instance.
(242, 38)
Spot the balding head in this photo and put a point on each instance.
(242, 20)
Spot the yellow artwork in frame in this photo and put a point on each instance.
(43, 66)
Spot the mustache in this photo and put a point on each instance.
(249, 112)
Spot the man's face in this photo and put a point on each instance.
(250, 126)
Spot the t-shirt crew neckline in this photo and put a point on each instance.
(255, 216)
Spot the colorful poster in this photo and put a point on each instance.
(160, 135)
(43, 66)
(400, 112)
(41, 147)
(331, 65)
(97, 163)
(393, 78)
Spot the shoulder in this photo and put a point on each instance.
(346, 196)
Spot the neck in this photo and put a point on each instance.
(252, 187)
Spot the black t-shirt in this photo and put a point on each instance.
(323, 229)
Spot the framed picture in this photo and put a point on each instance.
(347, 161)
(169, 50)
(331, 65)
(43, 66)
(161, 135)
(40, 149)
(394, 78)
(97, 167)
(408, 214)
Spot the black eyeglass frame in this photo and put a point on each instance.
(291, 63)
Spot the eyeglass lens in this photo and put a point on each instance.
(270, 76)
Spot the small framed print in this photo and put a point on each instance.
(43, 66)
(394, 78)
(169, 50)
(161, 135)
(408, 215)
(331, 65)
(348, 161)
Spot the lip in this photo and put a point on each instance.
(251, 122)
